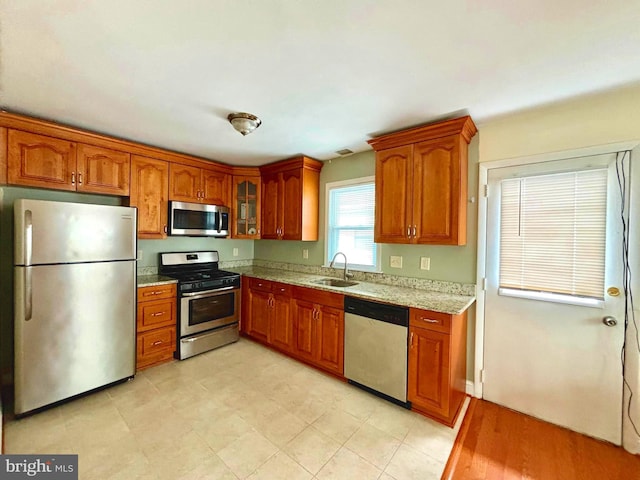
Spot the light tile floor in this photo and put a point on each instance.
(241, 411)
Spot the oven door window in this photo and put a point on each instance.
(202, 310)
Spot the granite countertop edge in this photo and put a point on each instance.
(154, 280)
(449, 303)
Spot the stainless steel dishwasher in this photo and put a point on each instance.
(375, 348)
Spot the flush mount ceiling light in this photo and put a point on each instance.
(245, 123)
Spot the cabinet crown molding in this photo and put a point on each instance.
(462, 126)
(291, 163)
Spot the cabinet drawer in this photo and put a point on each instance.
(438, 322)
(156, 345)
(156, 292)
(323, 297)
(280, 288)
(157, 313)
(259, 284)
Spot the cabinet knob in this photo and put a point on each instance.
(80, 178)
(73, 178)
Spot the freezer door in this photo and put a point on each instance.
(59, 232)
(74, 330)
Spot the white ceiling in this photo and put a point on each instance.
(322, 75)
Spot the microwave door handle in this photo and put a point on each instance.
(208, 292)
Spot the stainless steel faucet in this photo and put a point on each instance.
(347, 273)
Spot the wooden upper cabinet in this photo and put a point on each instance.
(271, 206)
(184, 183)
(245, 203)
(216, 187)
(290, 199)
(41, 161)
(421, 183)
(149, 192)
(188, 183)
(393, 194)
(292, 195)
(100, 170)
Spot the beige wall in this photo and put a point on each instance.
(599, 119)
(608, 117)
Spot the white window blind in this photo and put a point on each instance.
(553, 232)
(350, 221)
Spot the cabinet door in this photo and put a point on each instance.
(246, 205)
(149, 192)
(393, 195)
(271, 202)
(281, 323)
(216, 187)
(428, 386)
(259, 312)
(437, 191)
(184, 183)
(39, 161)
(101, 170)
(292, 205)
(305, 315)
(330, 339)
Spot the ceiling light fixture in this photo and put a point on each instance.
(245, 123)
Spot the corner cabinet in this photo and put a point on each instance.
(436, 385)
(290, 199)
(246, 203)
(421, 184)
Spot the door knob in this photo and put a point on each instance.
(609, 321)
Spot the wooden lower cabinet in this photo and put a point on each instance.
(267, 317)
(318, 318)
(437, 364)
(305, 323)
(156, 325)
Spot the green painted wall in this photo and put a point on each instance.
(225, 246)
(449, 263)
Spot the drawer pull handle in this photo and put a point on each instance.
(429, 320)
(157, 342)
(158, 314)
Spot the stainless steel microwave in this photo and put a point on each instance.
(198, 220)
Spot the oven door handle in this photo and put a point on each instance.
(208, 292)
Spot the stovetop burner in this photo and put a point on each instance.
(197, 271)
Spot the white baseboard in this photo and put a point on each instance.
(471, 389)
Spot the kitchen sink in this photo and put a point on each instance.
(335, 282)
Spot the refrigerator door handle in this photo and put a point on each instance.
(28, 238)
(28, 301)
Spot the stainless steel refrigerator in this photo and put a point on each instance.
(75, 299)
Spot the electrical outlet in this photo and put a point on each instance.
(395, 261)
(305, 253)
(139, 257)
(235, 252)
(425, 263)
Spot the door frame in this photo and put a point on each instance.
(484, 167)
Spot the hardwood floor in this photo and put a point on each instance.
(497, 443)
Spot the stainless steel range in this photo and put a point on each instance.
(208, 301)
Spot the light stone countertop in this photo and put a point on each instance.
(154, 280)
(410, 297)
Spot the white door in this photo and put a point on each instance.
(552, 355)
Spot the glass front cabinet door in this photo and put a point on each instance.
(246, 194)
